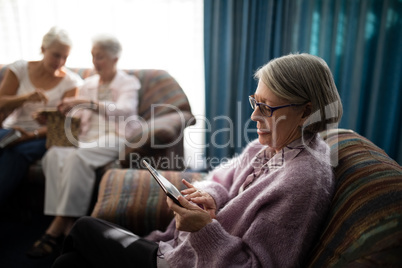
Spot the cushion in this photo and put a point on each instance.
(134, 200)
(364, 225)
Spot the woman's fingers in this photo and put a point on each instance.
(189, 218)
(188, 185)
(37, 96)
(42, 95)
(190, 188)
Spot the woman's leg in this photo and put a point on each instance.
(79, 177)
(70, 180)
(14, 164)
(52, 165)
(104, 244)
(60, 226)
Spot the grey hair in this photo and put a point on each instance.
(109, 43)
(55, 34)
(302, 78)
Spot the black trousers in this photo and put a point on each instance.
(96, 243)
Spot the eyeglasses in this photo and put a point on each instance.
(265, 109)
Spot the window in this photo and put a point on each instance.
(159, 34)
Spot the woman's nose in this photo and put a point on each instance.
(256, 115)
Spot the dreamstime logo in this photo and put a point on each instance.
(142, 132)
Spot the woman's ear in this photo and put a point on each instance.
(306, 113)
(307, 110)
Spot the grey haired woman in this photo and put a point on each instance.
(70, 172)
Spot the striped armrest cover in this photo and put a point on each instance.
(364, 225)
(134, 200)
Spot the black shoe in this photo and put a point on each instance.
(45, 246)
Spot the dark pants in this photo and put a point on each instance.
(96, 243)
(14, 163)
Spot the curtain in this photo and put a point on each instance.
(361, 41)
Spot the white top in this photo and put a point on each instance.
(98, 124)
(120, 98)
(22, 116)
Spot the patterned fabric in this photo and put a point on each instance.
(364, 226)
(56, 136)
(161, 89)
(133, 199)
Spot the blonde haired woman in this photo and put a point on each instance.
(27, 87)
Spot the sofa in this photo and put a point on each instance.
(363, 227)
(166, 111)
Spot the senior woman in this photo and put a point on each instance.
(109, 96)
(27, 87)
(263, 209)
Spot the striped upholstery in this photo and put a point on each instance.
(132, 198)
(364, 225)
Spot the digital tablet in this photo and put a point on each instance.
(10, 137)
(169, 189)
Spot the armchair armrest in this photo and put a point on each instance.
(159, 135)
(132, 198)
(169, 128)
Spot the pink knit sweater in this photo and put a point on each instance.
(272, 223)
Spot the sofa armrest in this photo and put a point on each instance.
(163, 129)
(157, 137)
(132, 199)
(168, 128)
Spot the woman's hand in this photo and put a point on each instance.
(204, 199)
(37, 96)
(40, 117)
(190, 217)
(68, 103)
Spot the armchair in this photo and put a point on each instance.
(363, 227)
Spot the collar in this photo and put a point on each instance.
(289, 152)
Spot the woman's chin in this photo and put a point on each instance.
(264, 138)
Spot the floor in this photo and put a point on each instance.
(17, 234)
